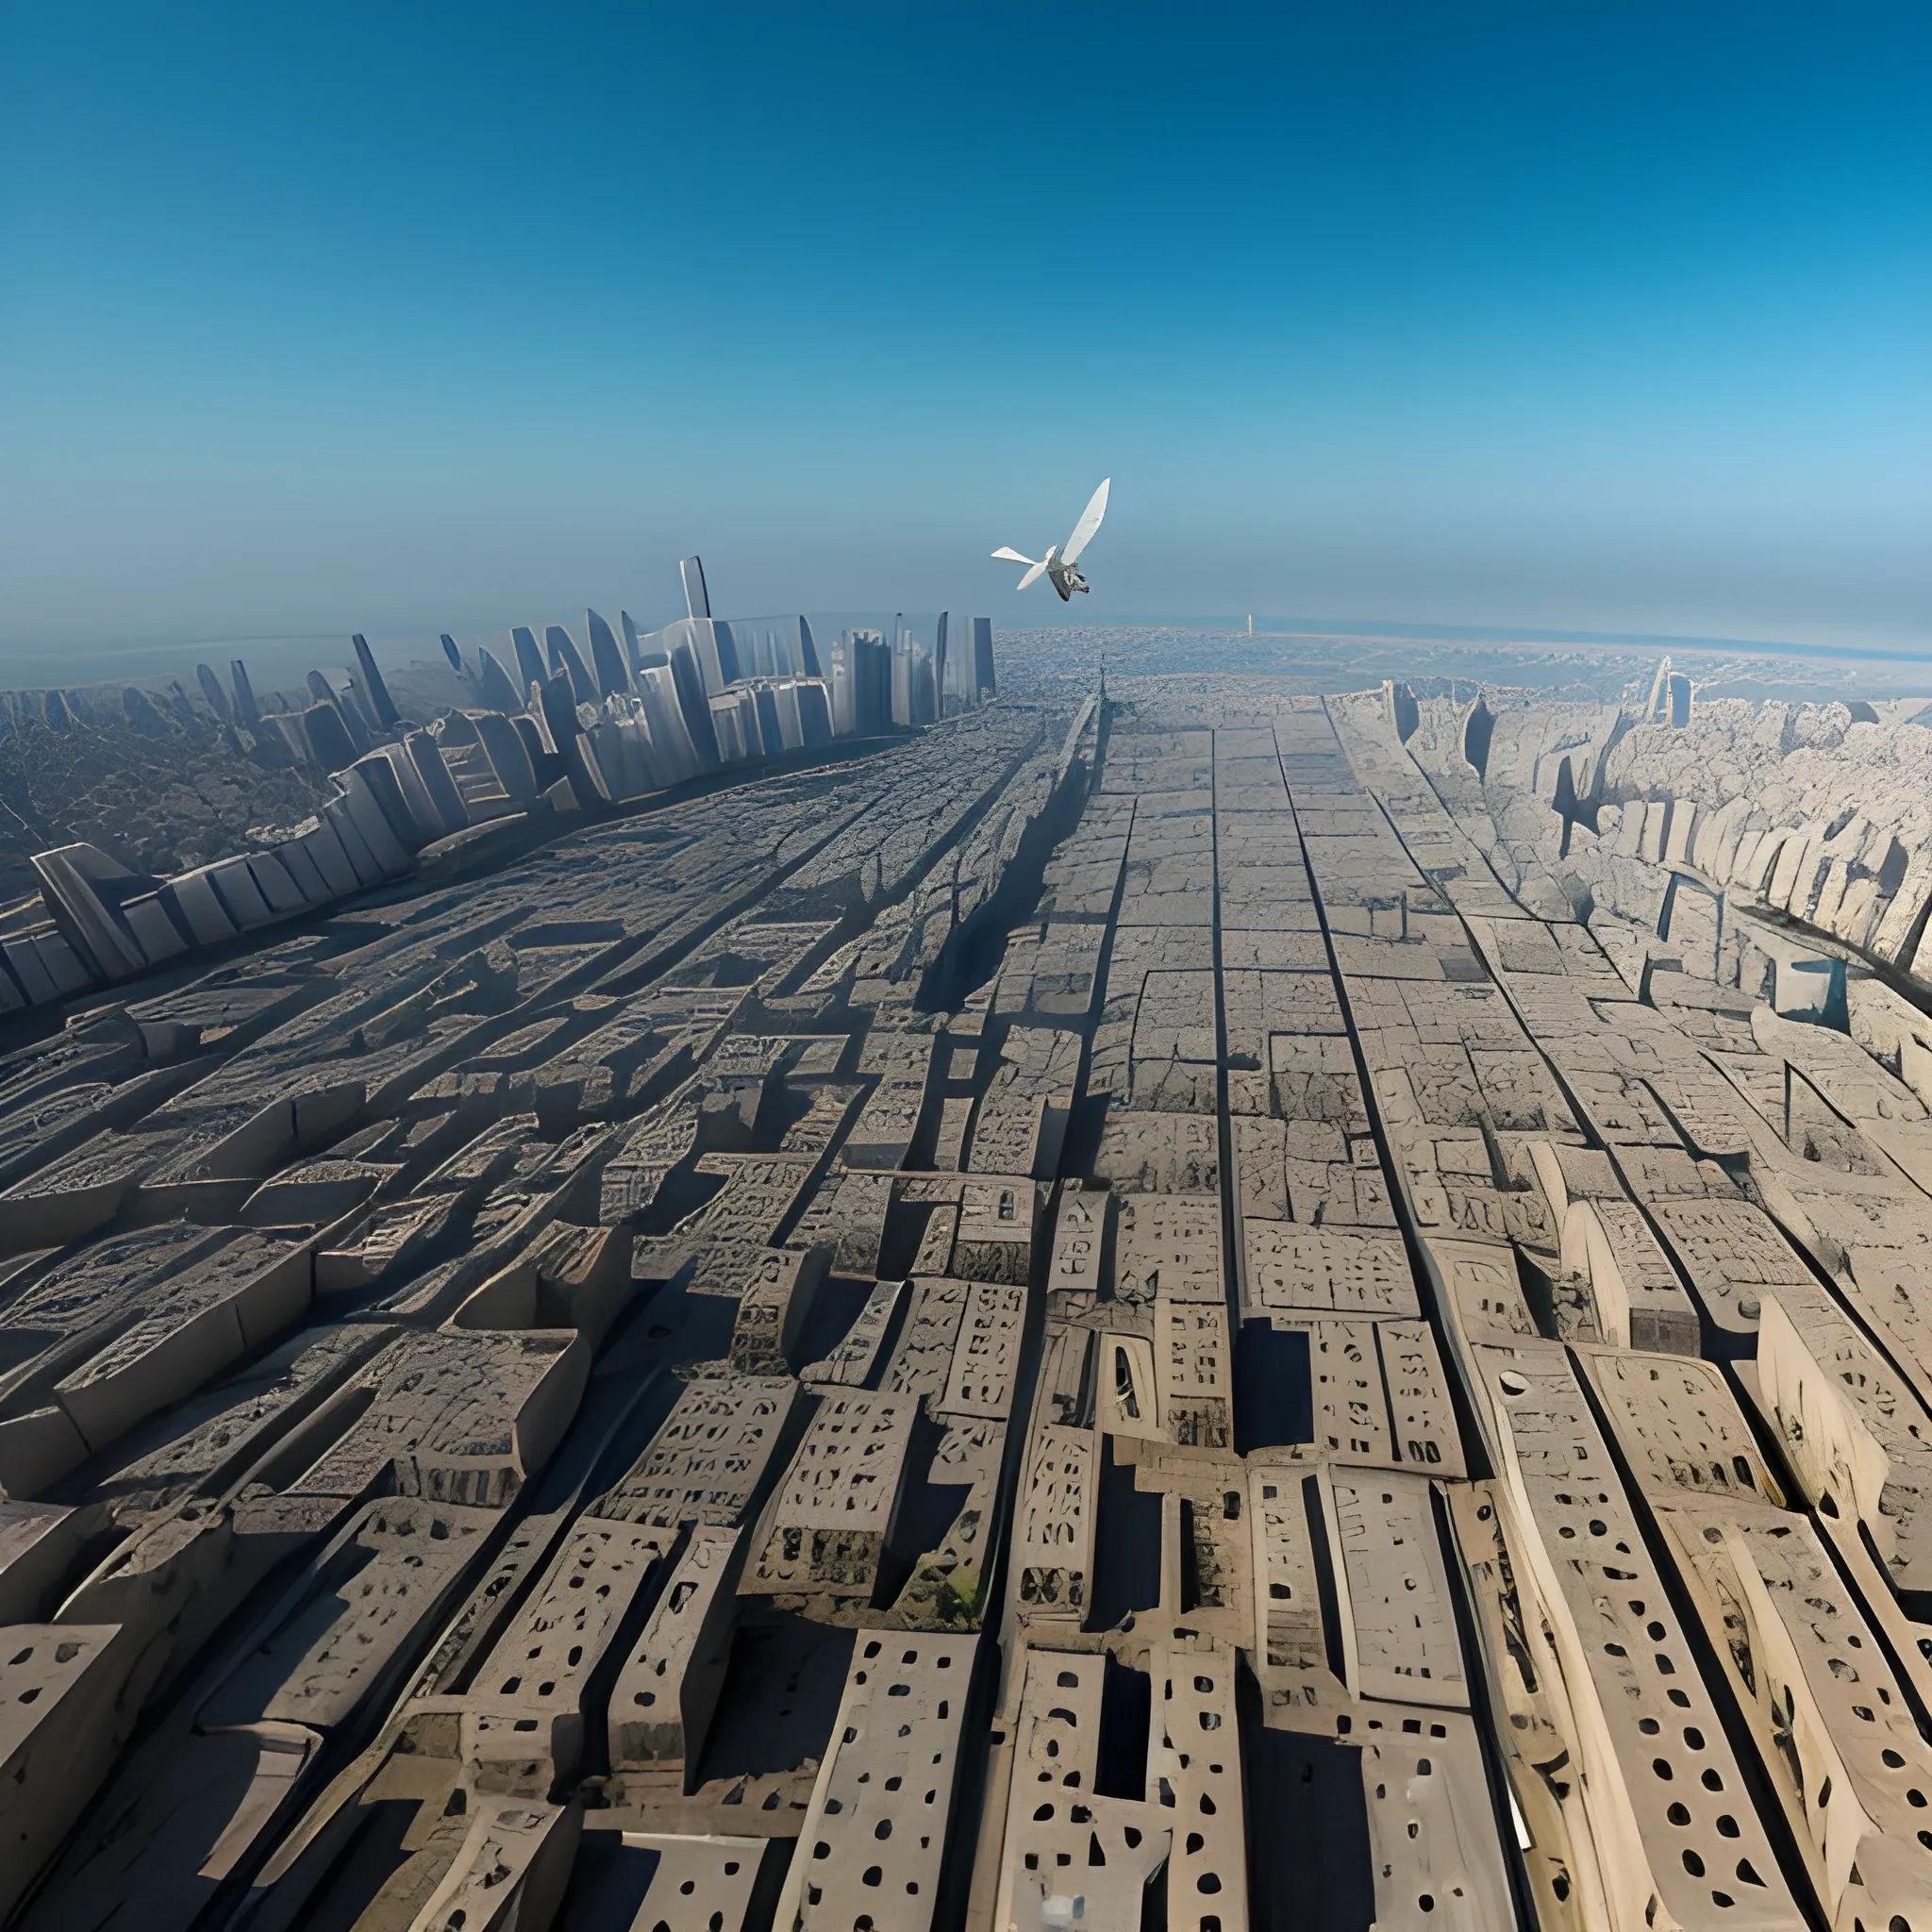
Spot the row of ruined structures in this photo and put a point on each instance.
(567, 735)
(1323, 1388)
(1782, 849)
(448, 1366)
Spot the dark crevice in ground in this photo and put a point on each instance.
(975, 948)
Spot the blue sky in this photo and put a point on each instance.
(409, 317)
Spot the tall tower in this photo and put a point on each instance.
(984, 684)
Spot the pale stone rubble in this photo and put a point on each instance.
(400, 1343)
(1182, 1313)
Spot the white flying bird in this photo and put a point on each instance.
(1059, 560)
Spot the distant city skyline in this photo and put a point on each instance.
(332, 320)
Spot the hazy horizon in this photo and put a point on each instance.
(1492, 654)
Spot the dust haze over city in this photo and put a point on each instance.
(750, 1180)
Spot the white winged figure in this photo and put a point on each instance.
(1058, 564)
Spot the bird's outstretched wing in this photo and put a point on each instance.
(1090, 521)
(1032, 577)
(1011, 555)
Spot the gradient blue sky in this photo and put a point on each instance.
(407, 317)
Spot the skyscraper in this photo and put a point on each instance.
(984, 684)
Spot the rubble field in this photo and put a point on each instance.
(1184, 1305)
